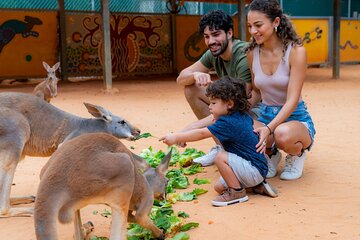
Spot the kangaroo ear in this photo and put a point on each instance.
(164, 165)
(140, 163)
(56, 66)
(98, 112)
(46, 66)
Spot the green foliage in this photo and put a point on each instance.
(144, 135)
(181, 236)
(200, 181)
(162, 213)
(183, 214)
(188, 226)
(193, 169)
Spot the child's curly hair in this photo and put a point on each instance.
(227, 88)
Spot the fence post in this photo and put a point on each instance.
(62, 23)
(336, 40)
(107, 66)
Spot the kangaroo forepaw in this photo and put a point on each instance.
(161, 237)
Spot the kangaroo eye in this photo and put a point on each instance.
(122, 122)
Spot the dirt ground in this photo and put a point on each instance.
(323, 204)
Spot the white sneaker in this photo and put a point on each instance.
(272, 164)
(293, 168)
(208, 159)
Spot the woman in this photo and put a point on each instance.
(277, 60)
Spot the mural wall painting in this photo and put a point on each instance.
(139, 44)
(26, 40)
(313, 35)
(350, 41)
(192, 47)
(11, 27)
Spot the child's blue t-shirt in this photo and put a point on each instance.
(235, 132)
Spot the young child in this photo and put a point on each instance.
(239, 164)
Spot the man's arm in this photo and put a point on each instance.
(195, 72)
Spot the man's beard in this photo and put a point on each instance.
(222, 48)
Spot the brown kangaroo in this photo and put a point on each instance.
(96, 168)
(47, 89)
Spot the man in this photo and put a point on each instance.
(226, 55)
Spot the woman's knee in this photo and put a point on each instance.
(282, 136)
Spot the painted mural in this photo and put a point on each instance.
(139, 44)
(11, 27)
(315, 36)
(350, 41)
(27, 39)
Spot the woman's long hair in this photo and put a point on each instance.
(285, 30)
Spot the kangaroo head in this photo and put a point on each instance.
(52, 80)
(116, 125)
(156, 177)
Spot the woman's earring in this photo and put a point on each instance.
(275, 28)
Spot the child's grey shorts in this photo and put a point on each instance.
(247, 174)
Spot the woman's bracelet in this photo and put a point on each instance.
(269, 129)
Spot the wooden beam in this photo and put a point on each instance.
(62, 25)
(241, 20)
(107, 67)
(336, 40)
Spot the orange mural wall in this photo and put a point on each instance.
(27, 39)
(350, 41)
(314, 33)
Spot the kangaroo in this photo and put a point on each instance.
(96, 168)
(47, 89)
(33, 127)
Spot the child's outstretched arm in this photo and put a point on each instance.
(188, 136)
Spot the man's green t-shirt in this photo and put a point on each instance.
(236, 67)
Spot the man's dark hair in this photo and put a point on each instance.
(216, 20)
(227, 88)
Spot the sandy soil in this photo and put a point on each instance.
(323, 204)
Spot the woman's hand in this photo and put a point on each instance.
(263, 133)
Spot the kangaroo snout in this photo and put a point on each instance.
(134, 133)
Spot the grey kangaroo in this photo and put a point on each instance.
(96, 168)
(30, 126)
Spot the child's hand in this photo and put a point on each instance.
(169, 139)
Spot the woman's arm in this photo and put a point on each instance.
(188, 136)
(255, 95)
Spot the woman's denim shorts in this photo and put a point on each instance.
(268, 113)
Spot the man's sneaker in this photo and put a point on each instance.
(265, 188)
(208, 159)
(230, 196)
(293, 168)
(273, 161)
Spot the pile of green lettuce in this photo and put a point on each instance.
(162, 214)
